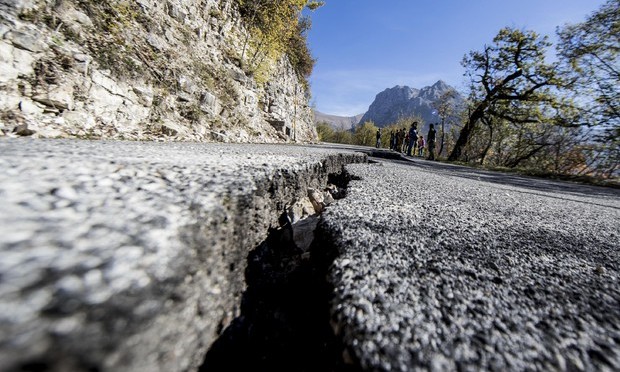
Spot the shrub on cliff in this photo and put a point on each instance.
(277, 27)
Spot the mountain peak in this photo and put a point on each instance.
(336, 121)
(440, 84)
(400, 93)
(402, 101)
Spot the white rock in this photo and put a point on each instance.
(23, 62)
(300, 210)
(303, 232)
(328, 198)
(6, 52)
(199, 43)
(104, 104)
(156, 42)
(107, 83)
(57, 96)
(78, 119)
(81, 57)
(9, 101)
(30, 108)
(145, 94)
(28, 39)
(8, 71)
(315, 195)
(316, 198)
(82, 18)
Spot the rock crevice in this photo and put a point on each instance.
(284, 321)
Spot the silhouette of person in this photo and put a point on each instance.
(413, 136)
(430, 142)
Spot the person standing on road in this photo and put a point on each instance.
(396, 135)
(421, 146)
(405, 144)
(378, 138)
(392, 140)
(413, 136)
(430, 140)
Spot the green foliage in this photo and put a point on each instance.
(536, 146)
(314, 5)
(591, 55)
(521, 113)
(328, 134)
(325, 132)
(603, 159)
(529, 114)
(365, 134)
(511, 81)
(298, 52)
(343, 136)
(512, 69)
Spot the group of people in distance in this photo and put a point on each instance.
(409, 141)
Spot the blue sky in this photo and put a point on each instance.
(363, 47)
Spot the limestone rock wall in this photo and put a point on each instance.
(141, 70)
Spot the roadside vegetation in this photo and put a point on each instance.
(528, 114)
(276, 28)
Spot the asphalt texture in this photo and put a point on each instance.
(130, 256)
(443, 267)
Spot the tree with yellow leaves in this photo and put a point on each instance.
(277, 27)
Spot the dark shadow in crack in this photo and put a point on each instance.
(285, 316)
(285, 311)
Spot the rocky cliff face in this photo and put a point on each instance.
(404, 102)
(141, 70)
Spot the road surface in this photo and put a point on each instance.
(447, 268)
(131, 256)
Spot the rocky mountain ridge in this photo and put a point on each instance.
(405, 102)
(336, 121)
(143, 70)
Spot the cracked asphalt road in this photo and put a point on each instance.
(129, 256)
(448, 268)
(106, 251)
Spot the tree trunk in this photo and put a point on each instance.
(515, 162)
(558, 154)
(463, 139)
(247, 35)
(478, 113)
(443, 135)
(489, 144)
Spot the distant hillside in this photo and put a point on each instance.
(403, 102)
(337, 122)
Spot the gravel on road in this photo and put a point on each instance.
(441, 269)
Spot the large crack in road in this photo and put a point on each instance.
(126, 256)
(285, 321)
